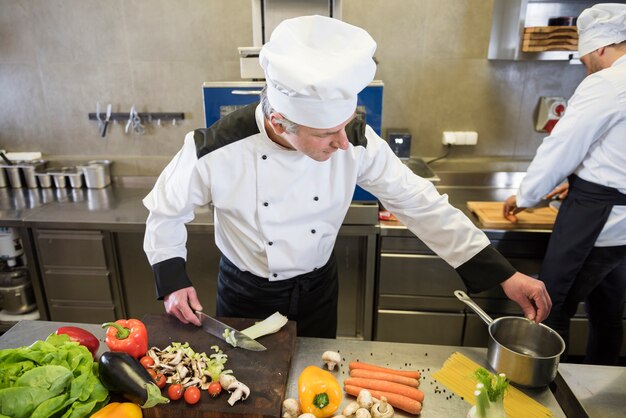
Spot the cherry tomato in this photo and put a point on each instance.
(175, 391)
(215, 388)
(192, 395)
(152, 373)
(160, 380)
(147, 362)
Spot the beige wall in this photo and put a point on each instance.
(59, 57)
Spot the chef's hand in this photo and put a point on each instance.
(530, 294)
(182, 304)
(559, 192)
(510, 209)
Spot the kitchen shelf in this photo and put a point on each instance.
(512, 17)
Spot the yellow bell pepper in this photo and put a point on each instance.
(319, 392)
(119, 410)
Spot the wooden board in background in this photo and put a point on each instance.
(551, 29)
(265, 372)
(490, 215)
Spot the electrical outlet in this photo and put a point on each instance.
(459, 138)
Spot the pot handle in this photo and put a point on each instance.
(463, 297)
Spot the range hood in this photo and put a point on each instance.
(266, 15)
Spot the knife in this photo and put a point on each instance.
(228, 333)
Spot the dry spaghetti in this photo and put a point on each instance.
(457, 375)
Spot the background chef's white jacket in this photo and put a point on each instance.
(590, 141)
(278, 212)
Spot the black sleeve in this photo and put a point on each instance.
(485, 270)
(170, 275)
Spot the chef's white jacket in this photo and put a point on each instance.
(278, 212)
(590, 141)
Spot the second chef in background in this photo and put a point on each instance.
(281, 175)
(586, 256)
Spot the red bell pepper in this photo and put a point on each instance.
(127, 335)
(82, 337)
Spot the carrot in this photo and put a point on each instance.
(366, 366)
(397, 401)
(385, 386)
(390, 377)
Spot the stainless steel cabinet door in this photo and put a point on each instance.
(419, 327)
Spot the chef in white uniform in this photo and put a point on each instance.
(281, 174)
(586, 256)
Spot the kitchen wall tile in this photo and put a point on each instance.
(543, 79)
(24, 120)
(58, 57)
(17, 39)
(188, 30)
(79, 31)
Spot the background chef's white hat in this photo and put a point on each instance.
(601, 25)
(314, 67)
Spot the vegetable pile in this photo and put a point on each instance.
(399, 387)
(181, 364)
(55, 377)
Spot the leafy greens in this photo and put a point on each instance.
(51, 378)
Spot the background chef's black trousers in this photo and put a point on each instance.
(309, 299)
(601, 283)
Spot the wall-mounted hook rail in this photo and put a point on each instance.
(147, 116)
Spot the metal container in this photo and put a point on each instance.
(526, 352)
(29, 169)
(45, 179)
(97, 173)
(3, 178)
(15, 176)
(60, 180)
(16, 291)
(76, 179)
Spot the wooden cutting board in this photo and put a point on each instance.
(265, 372)
(490, 215)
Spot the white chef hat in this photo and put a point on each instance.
(314, 67)
(601, 25)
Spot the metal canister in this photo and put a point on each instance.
(14, 173)
(16, 291)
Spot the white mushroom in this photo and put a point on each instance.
(331, 358)
(307, 415)
(226, 380)
(291, 408)
(382, 409)
(362, 413)
(350, 409)
(238, 391)
(365, 399)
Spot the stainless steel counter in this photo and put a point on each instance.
(426, 358)
(600, 390)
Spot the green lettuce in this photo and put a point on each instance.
(51, 378)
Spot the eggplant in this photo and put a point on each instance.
(121, 373)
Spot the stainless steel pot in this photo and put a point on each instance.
(16, 291)
(528, 353)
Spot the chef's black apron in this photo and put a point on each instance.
(580, 220)
(309, 299)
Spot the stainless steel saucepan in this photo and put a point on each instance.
(528, 353)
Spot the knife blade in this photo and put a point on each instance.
(228, 333)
